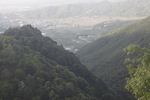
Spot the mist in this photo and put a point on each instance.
(50, 2)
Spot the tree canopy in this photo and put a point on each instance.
(139, 70)
(34, 67)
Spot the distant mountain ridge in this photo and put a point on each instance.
(105, 56)
(104, 8)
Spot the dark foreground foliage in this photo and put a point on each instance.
(33, 67)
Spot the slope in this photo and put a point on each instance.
(105, 56)
(33, 67)
(125, 8)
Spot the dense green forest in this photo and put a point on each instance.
(105, 56)
(34, 67)
(104, 8)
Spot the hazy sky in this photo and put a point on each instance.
(47, 1)
(21, 5)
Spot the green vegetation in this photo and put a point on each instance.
(139, 69)
(125, 8)
(33, 67)
(105, 56)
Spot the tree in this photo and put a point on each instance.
(6, 90)
(27, 94)
(108, 96)
(20, 74)
(1, 46)
(70, 90)
(139, 70)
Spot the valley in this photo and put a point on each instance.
(72, 51)
(73, 25)
(72, 33)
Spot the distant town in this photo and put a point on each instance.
(46, 26)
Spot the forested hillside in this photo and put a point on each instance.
(105, 56)
(105, 8)
(33, 67)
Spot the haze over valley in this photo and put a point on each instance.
(73, 49)
(74, 18)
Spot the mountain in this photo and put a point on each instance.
(34, 67)
(125, 8)
(105, 56)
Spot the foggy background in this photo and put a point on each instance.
(50, 2)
